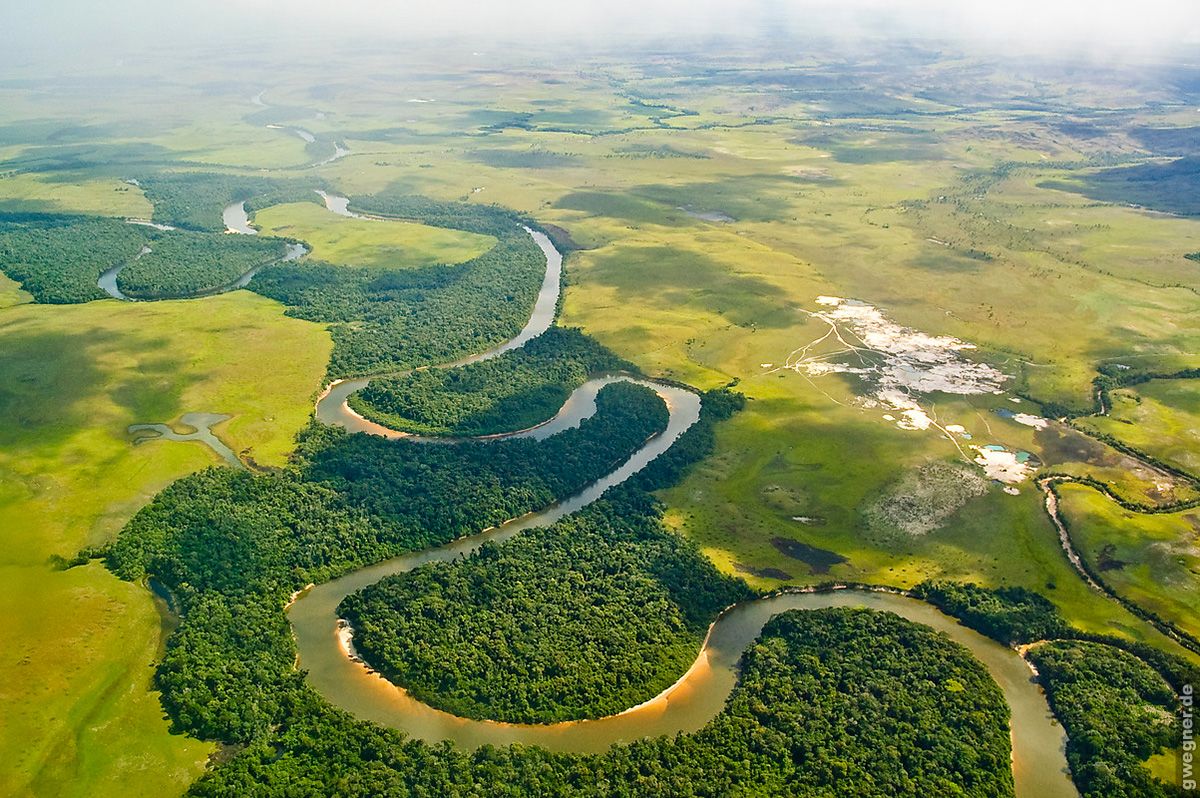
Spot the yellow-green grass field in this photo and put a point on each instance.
(226, 143)
(706, 305)
(1152, 560)
(1160, 417)
(30, 193)
(80, 718)
(11, 293)
(365, 242)
(1132, 478)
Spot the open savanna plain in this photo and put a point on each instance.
(709, 214)
(79, 716)
(364, 242)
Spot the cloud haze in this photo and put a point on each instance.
(58, 29)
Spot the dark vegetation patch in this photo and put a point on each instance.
(596, 614)
(394, 320)
(1193, 256)
(195, 200)
(620, 206)
(37, 363)
(657, 151)
(851, 90)
(1117, 712)
(58, 258)
(690, 279)
(16, 207)
(532, 158)
(572, 117)
(749, 198)
(54, 131)
(1008, 614)
(321, 148)
(1061, 444)
(763, 573)
(99, 159)
(517, 390)
(1171, 187)
(951, 261)
(494, 121)
(185, 263)
(1079, 128)
(1107, 560)
(856, 145)
(561, 238)
(817, 559)
(1169, 140)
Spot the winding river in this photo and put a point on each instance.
(325, 643)
(236, 221)
(331, 405)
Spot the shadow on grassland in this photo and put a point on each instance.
(1172, 187)
(671, 278)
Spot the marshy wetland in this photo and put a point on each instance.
(730, 360)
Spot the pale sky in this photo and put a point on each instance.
(1101, 28)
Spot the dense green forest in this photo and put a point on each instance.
(1016, 615)
(1117, 711)
(438, 493)
(195, 200)
(1010, 615)
(182, 263)
(58, 258)
(400, 319)
(380, 321)
(835, 702)
(491, 220)
(231, 546)
(593, 615)
(1115, 697)
(517, 390)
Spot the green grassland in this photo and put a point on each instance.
(362, 242)
(11, 293)
(1161, 418)
(80, 718)
(1153, 560)
(32, 193)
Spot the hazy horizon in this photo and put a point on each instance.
(59, 36)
